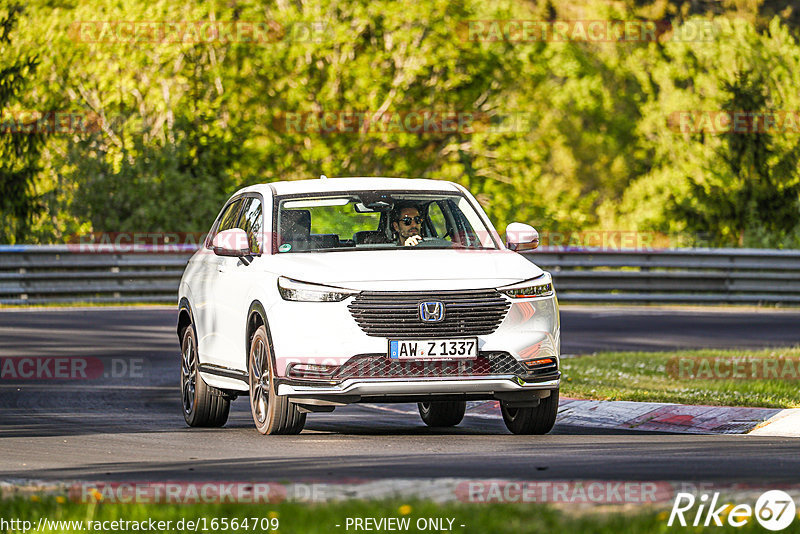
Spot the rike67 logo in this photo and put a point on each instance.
(774, 510)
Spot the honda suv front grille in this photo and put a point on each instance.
(397, 314)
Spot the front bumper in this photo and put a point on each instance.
(528, 332)
(390, 387)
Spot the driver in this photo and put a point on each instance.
(406, 224)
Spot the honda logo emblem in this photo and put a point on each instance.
(431, 312)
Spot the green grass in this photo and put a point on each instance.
(650, 377)
(323, 518)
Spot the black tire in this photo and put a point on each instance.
(538, 420)
(272, 413)
(442, 413)
(203, 405)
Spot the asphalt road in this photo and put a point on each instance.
(126, 424)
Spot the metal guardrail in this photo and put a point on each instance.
(53, 274)
(58, 274)
(702, 275)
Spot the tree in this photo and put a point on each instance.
(706, 184)
(756, 188)
(19, 150)
(164, 167)
(186, 123)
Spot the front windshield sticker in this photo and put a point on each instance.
(286, 247)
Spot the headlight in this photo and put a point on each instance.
(538, 287)
(303, 292)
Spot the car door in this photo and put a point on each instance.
(206, 307)
(235, 279)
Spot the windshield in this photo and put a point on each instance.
(379, 220)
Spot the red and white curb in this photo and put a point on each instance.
(655, 417)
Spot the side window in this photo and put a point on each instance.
(252, 222)
(464, 227)
(437, 219)
(228, 219)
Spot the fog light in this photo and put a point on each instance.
(310, 370)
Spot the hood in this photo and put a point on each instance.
(406, 268)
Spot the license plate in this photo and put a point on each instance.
(434, 349)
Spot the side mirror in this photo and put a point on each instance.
(232, 243)
(521, 237)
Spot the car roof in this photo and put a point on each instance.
(335, 185)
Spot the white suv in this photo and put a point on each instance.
(314, 294)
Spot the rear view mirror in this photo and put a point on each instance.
(232, 243)
(521, 237)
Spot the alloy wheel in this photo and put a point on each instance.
(188, 377)
(259, 377)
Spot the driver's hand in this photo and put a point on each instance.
(413, 241)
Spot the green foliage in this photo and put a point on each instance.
(166, 154)
(730, 188)
(755, 187)
(19, 151)
(185, 124)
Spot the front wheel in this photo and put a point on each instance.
(442, 413)
(536, 420)
(202, 404)
(272, 413)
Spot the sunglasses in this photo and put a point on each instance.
(407, 220)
